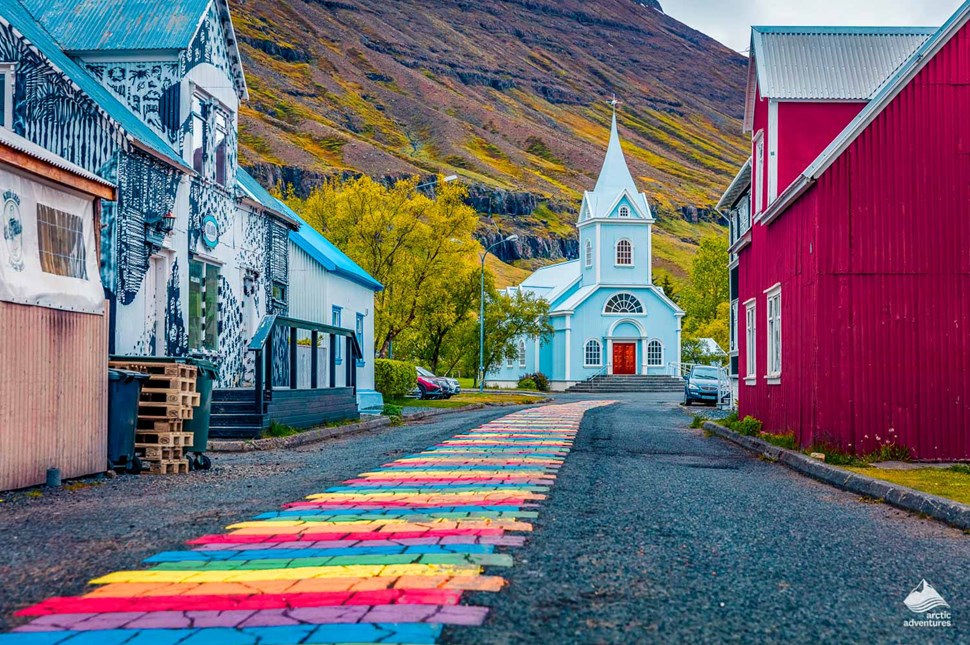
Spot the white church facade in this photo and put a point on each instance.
(608, 317)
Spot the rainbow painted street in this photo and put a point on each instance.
(382, 558)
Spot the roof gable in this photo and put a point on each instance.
(138, 132)
(826, 63)
(888, 92)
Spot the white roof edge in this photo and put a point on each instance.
(31, 149)
(742, 178)
(889, 91)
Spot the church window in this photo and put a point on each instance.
(624, 253)
(589, 254)
(655, 354)
(199, 115)
(521, 352)
(624, 303)
(593, 354)
(624, 211)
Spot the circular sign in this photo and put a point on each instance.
(210, 232)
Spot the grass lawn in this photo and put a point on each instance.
(467, 398)
(952, 483)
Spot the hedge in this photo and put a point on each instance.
(394, 379)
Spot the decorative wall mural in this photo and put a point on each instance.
(210, 46)
(207, 199)
(150, 89)
(146, 197)
(176, 337)
(232, 345)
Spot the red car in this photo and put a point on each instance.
(428, 389)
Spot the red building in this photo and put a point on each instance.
(852, 273)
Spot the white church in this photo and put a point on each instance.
(608, 317)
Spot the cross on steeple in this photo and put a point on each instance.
(614, 103)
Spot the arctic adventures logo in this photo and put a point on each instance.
(926, 601)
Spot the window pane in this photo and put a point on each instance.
(338, 350)
(61, 243)
(198, 143)
(221, 147)
(195, 304)
(3, 100)
(211, 307)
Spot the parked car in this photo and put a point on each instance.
(449, 386)
(428, 389)
(703, 384)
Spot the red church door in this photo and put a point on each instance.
(625, 358)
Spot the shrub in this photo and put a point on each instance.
(526, 383)
(394, 379)
(391, 410)
(749, 426)
(541, 381)
(963, 469)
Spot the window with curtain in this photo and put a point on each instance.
(199, 113)
(624, 253)
(593, 354)
(221, 146)
(655, 353)
(60, 239)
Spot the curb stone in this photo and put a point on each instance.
(946, 510)
(322, 434)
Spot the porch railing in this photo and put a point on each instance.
(278, 345)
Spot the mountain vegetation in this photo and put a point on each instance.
(511, 95)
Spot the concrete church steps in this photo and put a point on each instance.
(615, 384)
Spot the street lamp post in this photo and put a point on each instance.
(481, 316)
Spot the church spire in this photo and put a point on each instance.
(615, 175)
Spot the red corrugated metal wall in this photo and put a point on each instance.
(875, 266)
(53, 394)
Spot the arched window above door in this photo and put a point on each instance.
(623, 303)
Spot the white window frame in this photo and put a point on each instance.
(589, 254)
(759, 172)
(616, 254)
(660, 361)
(9, 70)
(773, 343)
(607, 312)
(624, 211)
(751, 341)
(734, 326)
(599, 351)
(522, 353)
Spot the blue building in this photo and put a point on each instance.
(607, 316)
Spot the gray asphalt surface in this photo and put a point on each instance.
(652, 533)
(656, 533)
(54, 544)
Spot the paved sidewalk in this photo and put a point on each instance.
(384, 557)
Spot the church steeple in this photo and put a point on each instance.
(615, 174)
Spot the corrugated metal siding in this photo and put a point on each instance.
(805, 63)
(890, 297)
(53, 394)
(87, 25)
(308, 288)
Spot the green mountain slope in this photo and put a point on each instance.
(509, 94)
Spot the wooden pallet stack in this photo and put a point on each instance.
(167, 400)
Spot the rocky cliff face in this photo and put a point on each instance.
(509, 94)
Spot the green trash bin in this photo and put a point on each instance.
(198, 425)
(124, 392)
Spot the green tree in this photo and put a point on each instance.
(508, 317)
(663, 280)
(705, 300)
(410, 243)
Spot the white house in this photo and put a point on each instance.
(608, 317)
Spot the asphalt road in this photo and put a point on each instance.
(652, 533)
(656, 533)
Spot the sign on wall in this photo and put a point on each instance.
(48, 256)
